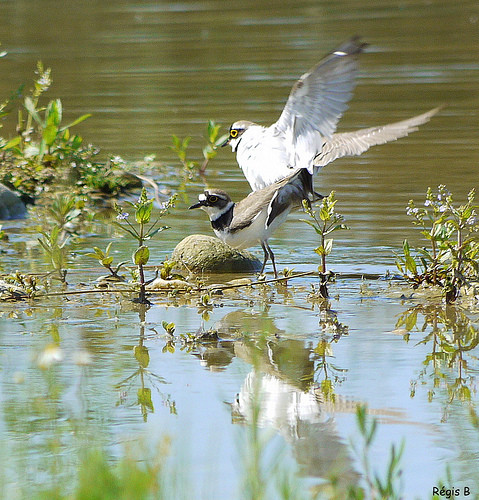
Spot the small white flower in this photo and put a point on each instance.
(442, 208)
(471, 221)
(427, 203)
(117, 160)
(412, 211)
(122, 216)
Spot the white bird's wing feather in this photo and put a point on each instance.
(317, 101)
(355, 143)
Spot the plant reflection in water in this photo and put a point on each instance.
(141, 353)
(451, 364)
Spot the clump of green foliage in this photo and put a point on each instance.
(324, 220)
(44, 150)
(451, 258)
(180, 147)
(62, 217)
(141, 231)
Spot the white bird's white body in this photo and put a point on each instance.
(304, 135)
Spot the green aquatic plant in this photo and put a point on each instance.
(451, 258)
(61, 219)
(106, 260)
(214, 142)
(324, 220)
(54, 245)
(65, 211)
(43, 149)
(24, 286)
(180, 147)
(168, 327)
(387, 487)
(142, 230)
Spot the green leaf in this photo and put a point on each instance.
(99, 252)
(141, 255)
(411, 265)
(411, 321)
(50, 134)
(76, 122)
(143, 213)
(54, 113)
(127, 230)
(142, 355)
(106, 261)
(324, 213)
(144, 397)
(221, 140)
(328, 246)
(30, 107)
(169, 327)
(313, 225)
(157, 230)
(12, 143)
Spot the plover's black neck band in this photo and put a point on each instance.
(224, 220)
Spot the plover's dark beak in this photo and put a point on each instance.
(225, 143)
(196, 205)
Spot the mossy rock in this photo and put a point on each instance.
(200, 253)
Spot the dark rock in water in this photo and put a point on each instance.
(11, 206)
(198, 253)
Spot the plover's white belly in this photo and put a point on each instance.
(254, 234)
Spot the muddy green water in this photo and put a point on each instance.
(147, 70)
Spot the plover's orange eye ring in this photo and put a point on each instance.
(213, 199)
(233, 133)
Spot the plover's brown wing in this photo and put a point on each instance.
(290, 193)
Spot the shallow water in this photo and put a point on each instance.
(149, 70)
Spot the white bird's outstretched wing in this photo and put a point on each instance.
(355, 143)
(317, 101)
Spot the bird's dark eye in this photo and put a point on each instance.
(233, 133)
(213, 199)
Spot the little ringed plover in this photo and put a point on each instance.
(253, 219)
